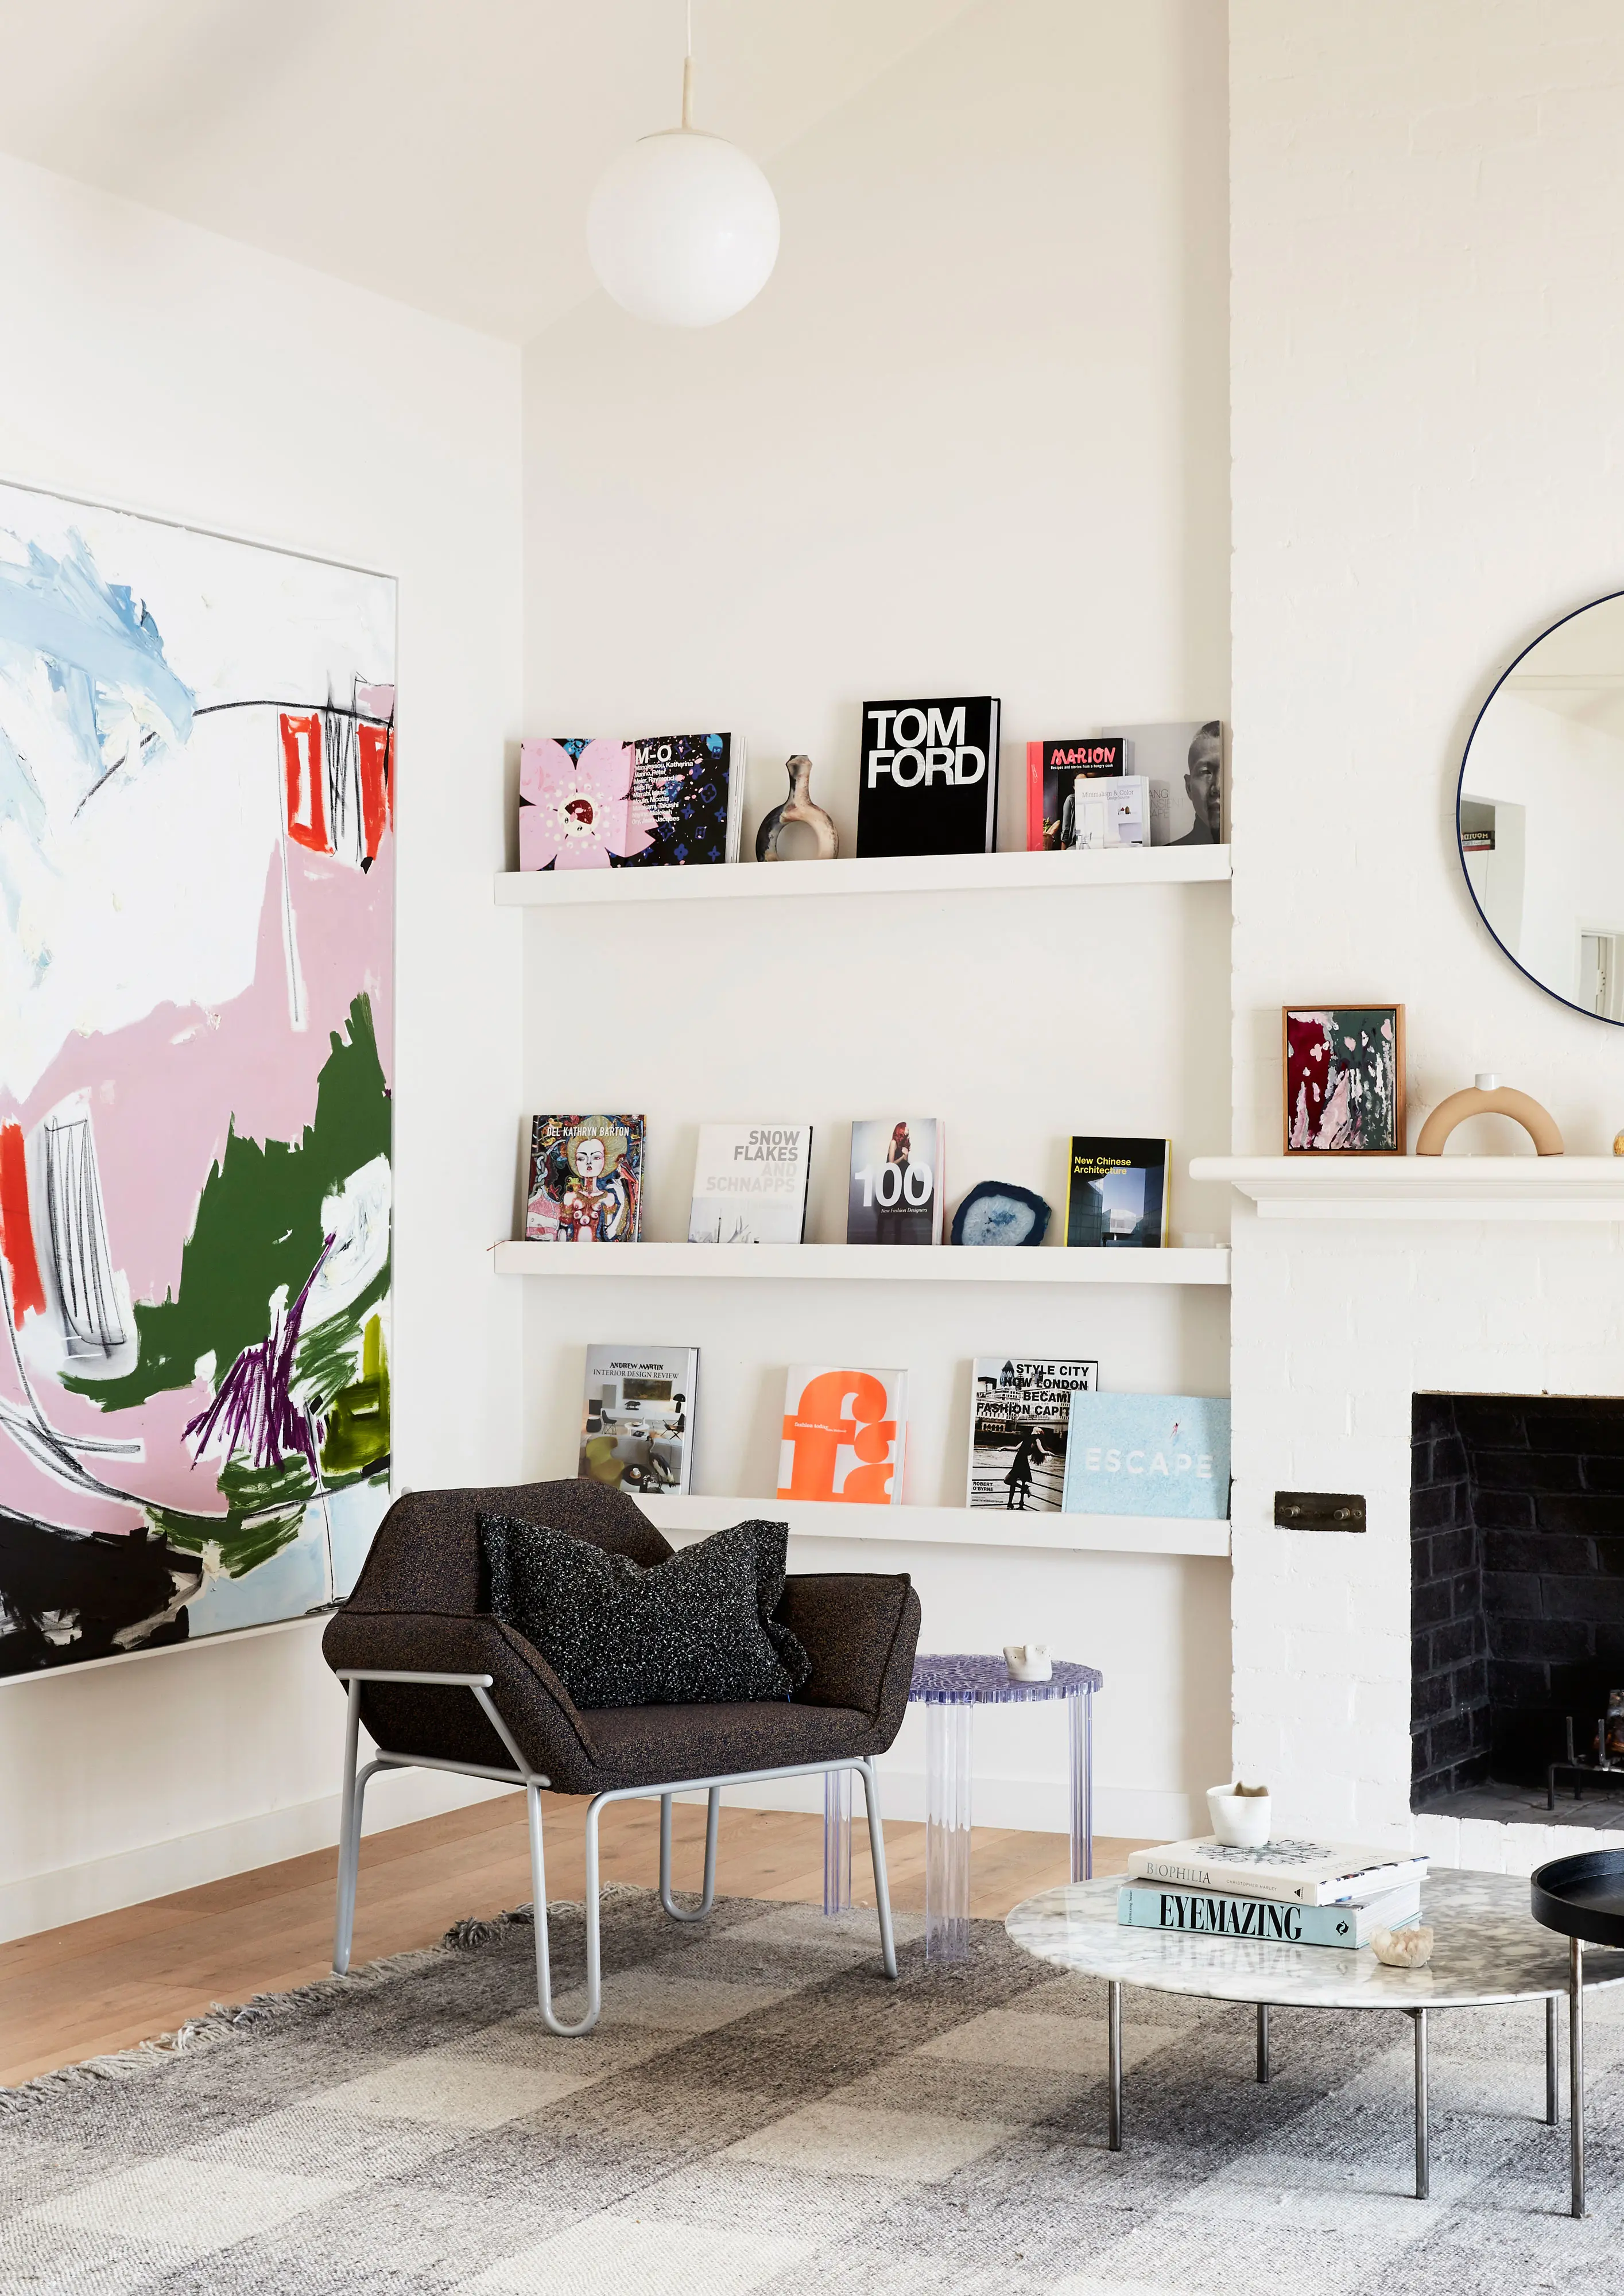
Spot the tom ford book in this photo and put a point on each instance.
(1155, 1455)
(585, 1179)
(637, 1417)
(1203, 1912)
(927, 777)
(749, 1183)
(1018, 1412)
(1303, 1873)
(1116, 1193)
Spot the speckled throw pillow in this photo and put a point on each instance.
(694, 1630)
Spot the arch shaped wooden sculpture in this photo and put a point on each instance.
(1490, 1098)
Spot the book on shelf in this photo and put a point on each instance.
(1206, 1913)
(665, 802)
(896, 1186)
(1299, 1873)
(585, 1179)
(637, 1418)
(1106, 814)
(1117, 1193)
(749, 1183)
(1183, 762)
(1052, 772)
(1148, 1454)
(844, 1432)
(927, 776)
(1018, 1411)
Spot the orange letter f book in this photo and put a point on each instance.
(843, 1432)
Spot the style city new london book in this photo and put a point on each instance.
(1204, 1913)
(749, 1183)
(637, 1417)
(1148, 1454)
(1018, 1412)
(844, 1429)
(895, 1190)
(927, 776)
(585, 1179)
(1305, 1873)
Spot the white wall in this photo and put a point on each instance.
(971, 438)
(1428, 226)
(153, 366)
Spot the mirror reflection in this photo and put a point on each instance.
(1541, 811)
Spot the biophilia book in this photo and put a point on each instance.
(1117, 1193)
(1155, 1455)
(1018, 1413)
(749, 1183)
(691, 787)
(1301, 1872)
(927, 778)
(1052, 770)
(637, 1418)
(1205, 1913)
(895, 1189)
(844, 1429)
(585, 1179)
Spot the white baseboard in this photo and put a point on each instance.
(157, 1869)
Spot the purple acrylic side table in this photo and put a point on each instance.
(950, 1688)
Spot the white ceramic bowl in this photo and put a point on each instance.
(1239, 1821)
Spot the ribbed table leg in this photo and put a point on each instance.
(1113, 2027)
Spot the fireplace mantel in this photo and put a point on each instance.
(1314, 1187)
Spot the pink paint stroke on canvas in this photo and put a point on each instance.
(576, 811)
(1341, 1079)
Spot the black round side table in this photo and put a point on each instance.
(1583, 1897)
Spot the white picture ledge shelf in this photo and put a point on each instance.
(913, 873)
(1424, 1187)
(877, 1263)
(684, 1519)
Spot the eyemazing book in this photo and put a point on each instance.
(1018, 1429)
(1158, 1454)
(1303, 1873)
(895, 1190)
(844, 1431)
(1117, 1194)
(1270, 1920)
(637, 1418)
(749, 1183)
(928, 779)
(585, 1179)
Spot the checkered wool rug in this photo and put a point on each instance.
(760, 2111)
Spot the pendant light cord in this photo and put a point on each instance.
(687, 73)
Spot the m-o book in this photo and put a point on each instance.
(844, 1429)
(1303, 1873)
(683, 799)
(1158, 1454)
(927, 776)
(637, 1417)
(749, 1183)
(1018, 1410)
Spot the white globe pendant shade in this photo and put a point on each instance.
(683, 229)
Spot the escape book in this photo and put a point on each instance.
(896, 1187)
(585, 1179)
(1017, 1414)
(1303, 1873)
(749, 1183)
(844, 1431)
(637, 1418)
(927, 776)
(1117, 1193)
(1152, 1455)
(1204, 1913)
(1052, 772)
(666, 800)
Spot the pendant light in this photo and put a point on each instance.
(683, 229)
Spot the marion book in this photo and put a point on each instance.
(1018, 1409)
(1272, 1921)
(927, 776)
(1301, 1873)
(585, 1179)
(637, 1418)
(749, 1183)
(844, 1429)
(896, 1187)
(1117, 1193)
(1148, 1454)
(1052, 771)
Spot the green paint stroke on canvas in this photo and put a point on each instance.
(259, 1228)
(265, 1507)
(358, 1417)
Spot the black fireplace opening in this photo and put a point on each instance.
(1516, 1590)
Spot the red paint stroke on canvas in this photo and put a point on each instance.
(375, 745)
(301, 765)
(16, 1228)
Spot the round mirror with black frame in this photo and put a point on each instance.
(1539, 813)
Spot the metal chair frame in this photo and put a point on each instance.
(533, 1781)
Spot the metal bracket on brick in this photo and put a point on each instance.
(1320, 1511)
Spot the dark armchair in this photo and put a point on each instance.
(440, 1683)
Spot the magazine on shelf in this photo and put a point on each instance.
(682, 806)
(637, 1418)
(1052, 772)
(1204, 1913)
(1102, 815)
(927, 776)
(749, 1183)
(1018, 1412)
(1185, 762)
(895, 1189)
(585, 1179)
(844, 1431)
(1305, 1873)
(1117, 1193)
(1148, 1454)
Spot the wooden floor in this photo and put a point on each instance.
(107, 1983)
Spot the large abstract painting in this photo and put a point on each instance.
(196, 907)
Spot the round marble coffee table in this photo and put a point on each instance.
(1488, 1950)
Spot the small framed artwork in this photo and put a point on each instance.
(1344, 1079)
